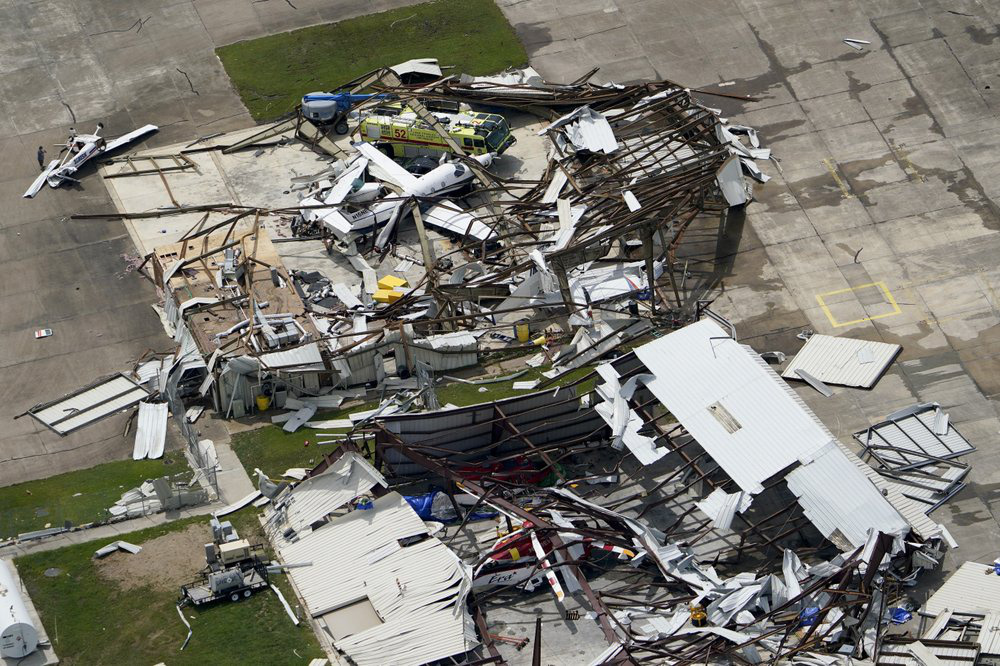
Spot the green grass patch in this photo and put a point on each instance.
(273, 450)
(272, 73)
(93, 620)
(80, 497)
(461, 394)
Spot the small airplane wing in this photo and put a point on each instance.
(130, 137)
(37, 184)
(458, 222)
(345, 182)
(386, 168)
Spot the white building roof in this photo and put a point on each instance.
(415, 593)
(739, 413)
(755, 426)
(968, 591)
(842, 361)
(316, 497)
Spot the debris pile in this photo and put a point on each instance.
(674, 498)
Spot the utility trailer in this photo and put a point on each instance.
(233, 584)
(235, 569)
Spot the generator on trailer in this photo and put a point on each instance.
(235, 569)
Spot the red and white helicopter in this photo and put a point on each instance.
(80, 148)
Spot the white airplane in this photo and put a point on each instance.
(442, 179)
(80, 148)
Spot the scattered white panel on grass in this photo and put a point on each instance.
(526, 386)
(299, 418)
(332, 424)
(842, 361)
(117, 545)
(236, 506)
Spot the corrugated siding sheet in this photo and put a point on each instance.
(835, 497)
(542, 417)
(834, 360)
(316, 497)
(969, 591)
(914, 433)
(150, 431)
(989, 634)
(90, 404)
(416, 590)
(700, 366)
(306, 357)
(955, 654)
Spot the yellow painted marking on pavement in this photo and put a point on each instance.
(908, 166)
(839, 324)
(836, 177)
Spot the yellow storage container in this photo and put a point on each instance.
(522, 331)
(390, 282)
(387, 295)
(263, 402)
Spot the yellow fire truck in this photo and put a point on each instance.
(405, 135)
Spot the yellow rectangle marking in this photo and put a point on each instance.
(838, 324)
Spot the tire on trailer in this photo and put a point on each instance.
(247, 593)
(341, 127)
(235, 596)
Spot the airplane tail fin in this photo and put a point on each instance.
(386, 233)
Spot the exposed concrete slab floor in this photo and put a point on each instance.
(77, 63)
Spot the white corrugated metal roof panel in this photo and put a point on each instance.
(587, 129)
(306, 357)
(89, 404)
(427, 66)
(739, 413)
(926, 653)
(989, 634)
(842, 361)
(914, 433)
(836, 498)
(968, 591)
(150, 431)
(913, 512)
(416, 590)
(754, 426)
(320, 495)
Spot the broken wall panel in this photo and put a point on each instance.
(89, 404)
